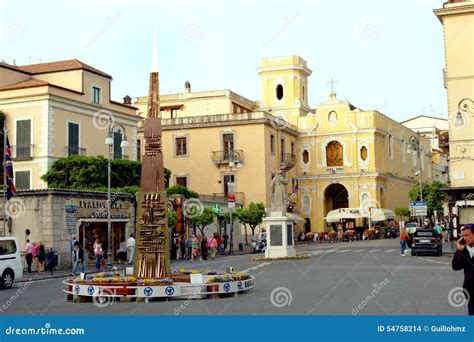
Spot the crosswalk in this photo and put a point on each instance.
(366, 250)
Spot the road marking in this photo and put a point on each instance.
(390, 250)
(330, 251)
(263, 264)
(360, 250)
(374, 250)
(343, 251)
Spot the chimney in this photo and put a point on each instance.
(187, 87)
(127, 100)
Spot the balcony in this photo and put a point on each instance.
(75, 151)
(239, 197)
(22, 152)
(333, 170)
(220, 158)
(287, 161)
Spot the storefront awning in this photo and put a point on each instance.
(102, 220)
(375, 214)
(469, 203)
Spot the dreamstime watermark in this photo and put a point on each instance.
(287, 22)
(19, 291)
(192, 31)
(377, 288)
(188, 301)
(370, 30)
(107, 25)
(192, 208)
(15, 207)
(458, 297)
(46, 330)
(13, 31)
(103, 119)
(280, 297)
(103, 297)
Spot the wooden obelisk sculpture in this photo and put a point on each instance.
(152, 259)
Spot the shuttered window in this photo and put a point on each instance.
(22, 180)
(23, 139)
(117, 148)
(73, 139)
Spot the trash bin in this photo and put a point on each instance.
(51, 261)
(241, 246)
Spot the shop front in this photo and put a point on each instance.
(57, 217)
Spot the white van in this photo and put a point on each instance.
(10, 262)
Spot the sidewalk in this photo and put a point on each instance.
(62, 273)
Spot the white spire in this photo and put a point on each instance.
(154, 52)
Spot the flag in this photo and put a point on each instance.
(10, 186)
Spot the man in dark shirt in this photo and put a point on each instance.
(463, 259)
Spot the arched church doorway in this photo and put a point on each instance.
(335, 197)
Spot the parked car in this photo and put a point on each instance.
(411, 228)
(11, 267)
(426, 241)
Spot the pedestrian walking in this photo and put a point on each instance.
(29, 254)
(131, 248)
(195, 246)
(213, 245)
(41, 256)
(189, 247)
(204, 246)
(80, 259)
(98, 253)
(74, 258)
(403, 241)
(35, 256)
(182, 247)
(463, 259)
(316, 237)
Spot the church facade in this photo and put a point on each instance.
(338, 155)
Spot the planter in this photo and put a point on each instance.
(180, 278)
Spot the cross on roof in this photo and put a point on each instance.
(332, 82)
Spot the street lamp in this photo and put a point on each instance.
(414, 145)
(109, 141)
(465, 105)
(235, 163)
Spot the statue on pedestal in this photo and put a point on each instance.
(279, 197)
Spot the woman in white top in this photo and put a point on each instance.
(98, 253)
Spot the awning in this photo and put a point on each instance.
(469, 203)
(375, 214)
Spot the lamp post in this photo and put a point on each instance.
(414, 145)
(465, 105)
(109, 141)
(235, 163)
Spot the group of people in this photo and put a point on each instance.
(79, 255)
(197, 246)
(35, 255)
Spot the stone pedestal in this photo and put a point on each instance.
(280, 233)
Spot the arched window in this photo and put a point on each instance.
(334, 154)
(363, 153)
(279, 92)
(305, 156)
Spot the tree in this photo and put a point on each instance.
(432, 195)
(181, 190)
(253, 216)
(90, 173)
(172, 220)
(204, 219)
(402, 212)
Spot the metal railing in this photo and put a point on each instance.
(335, 170)
(75, 151)
(239, 196)
(23, 151)
(225, 157)
(288, 160)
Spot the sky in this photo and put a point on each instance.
(383, 54)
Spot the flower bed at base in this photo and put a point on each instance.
(296, 257)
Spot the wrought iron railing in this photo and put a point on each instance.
(226, 157)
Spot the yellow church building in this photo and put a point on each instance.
(337, 155)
